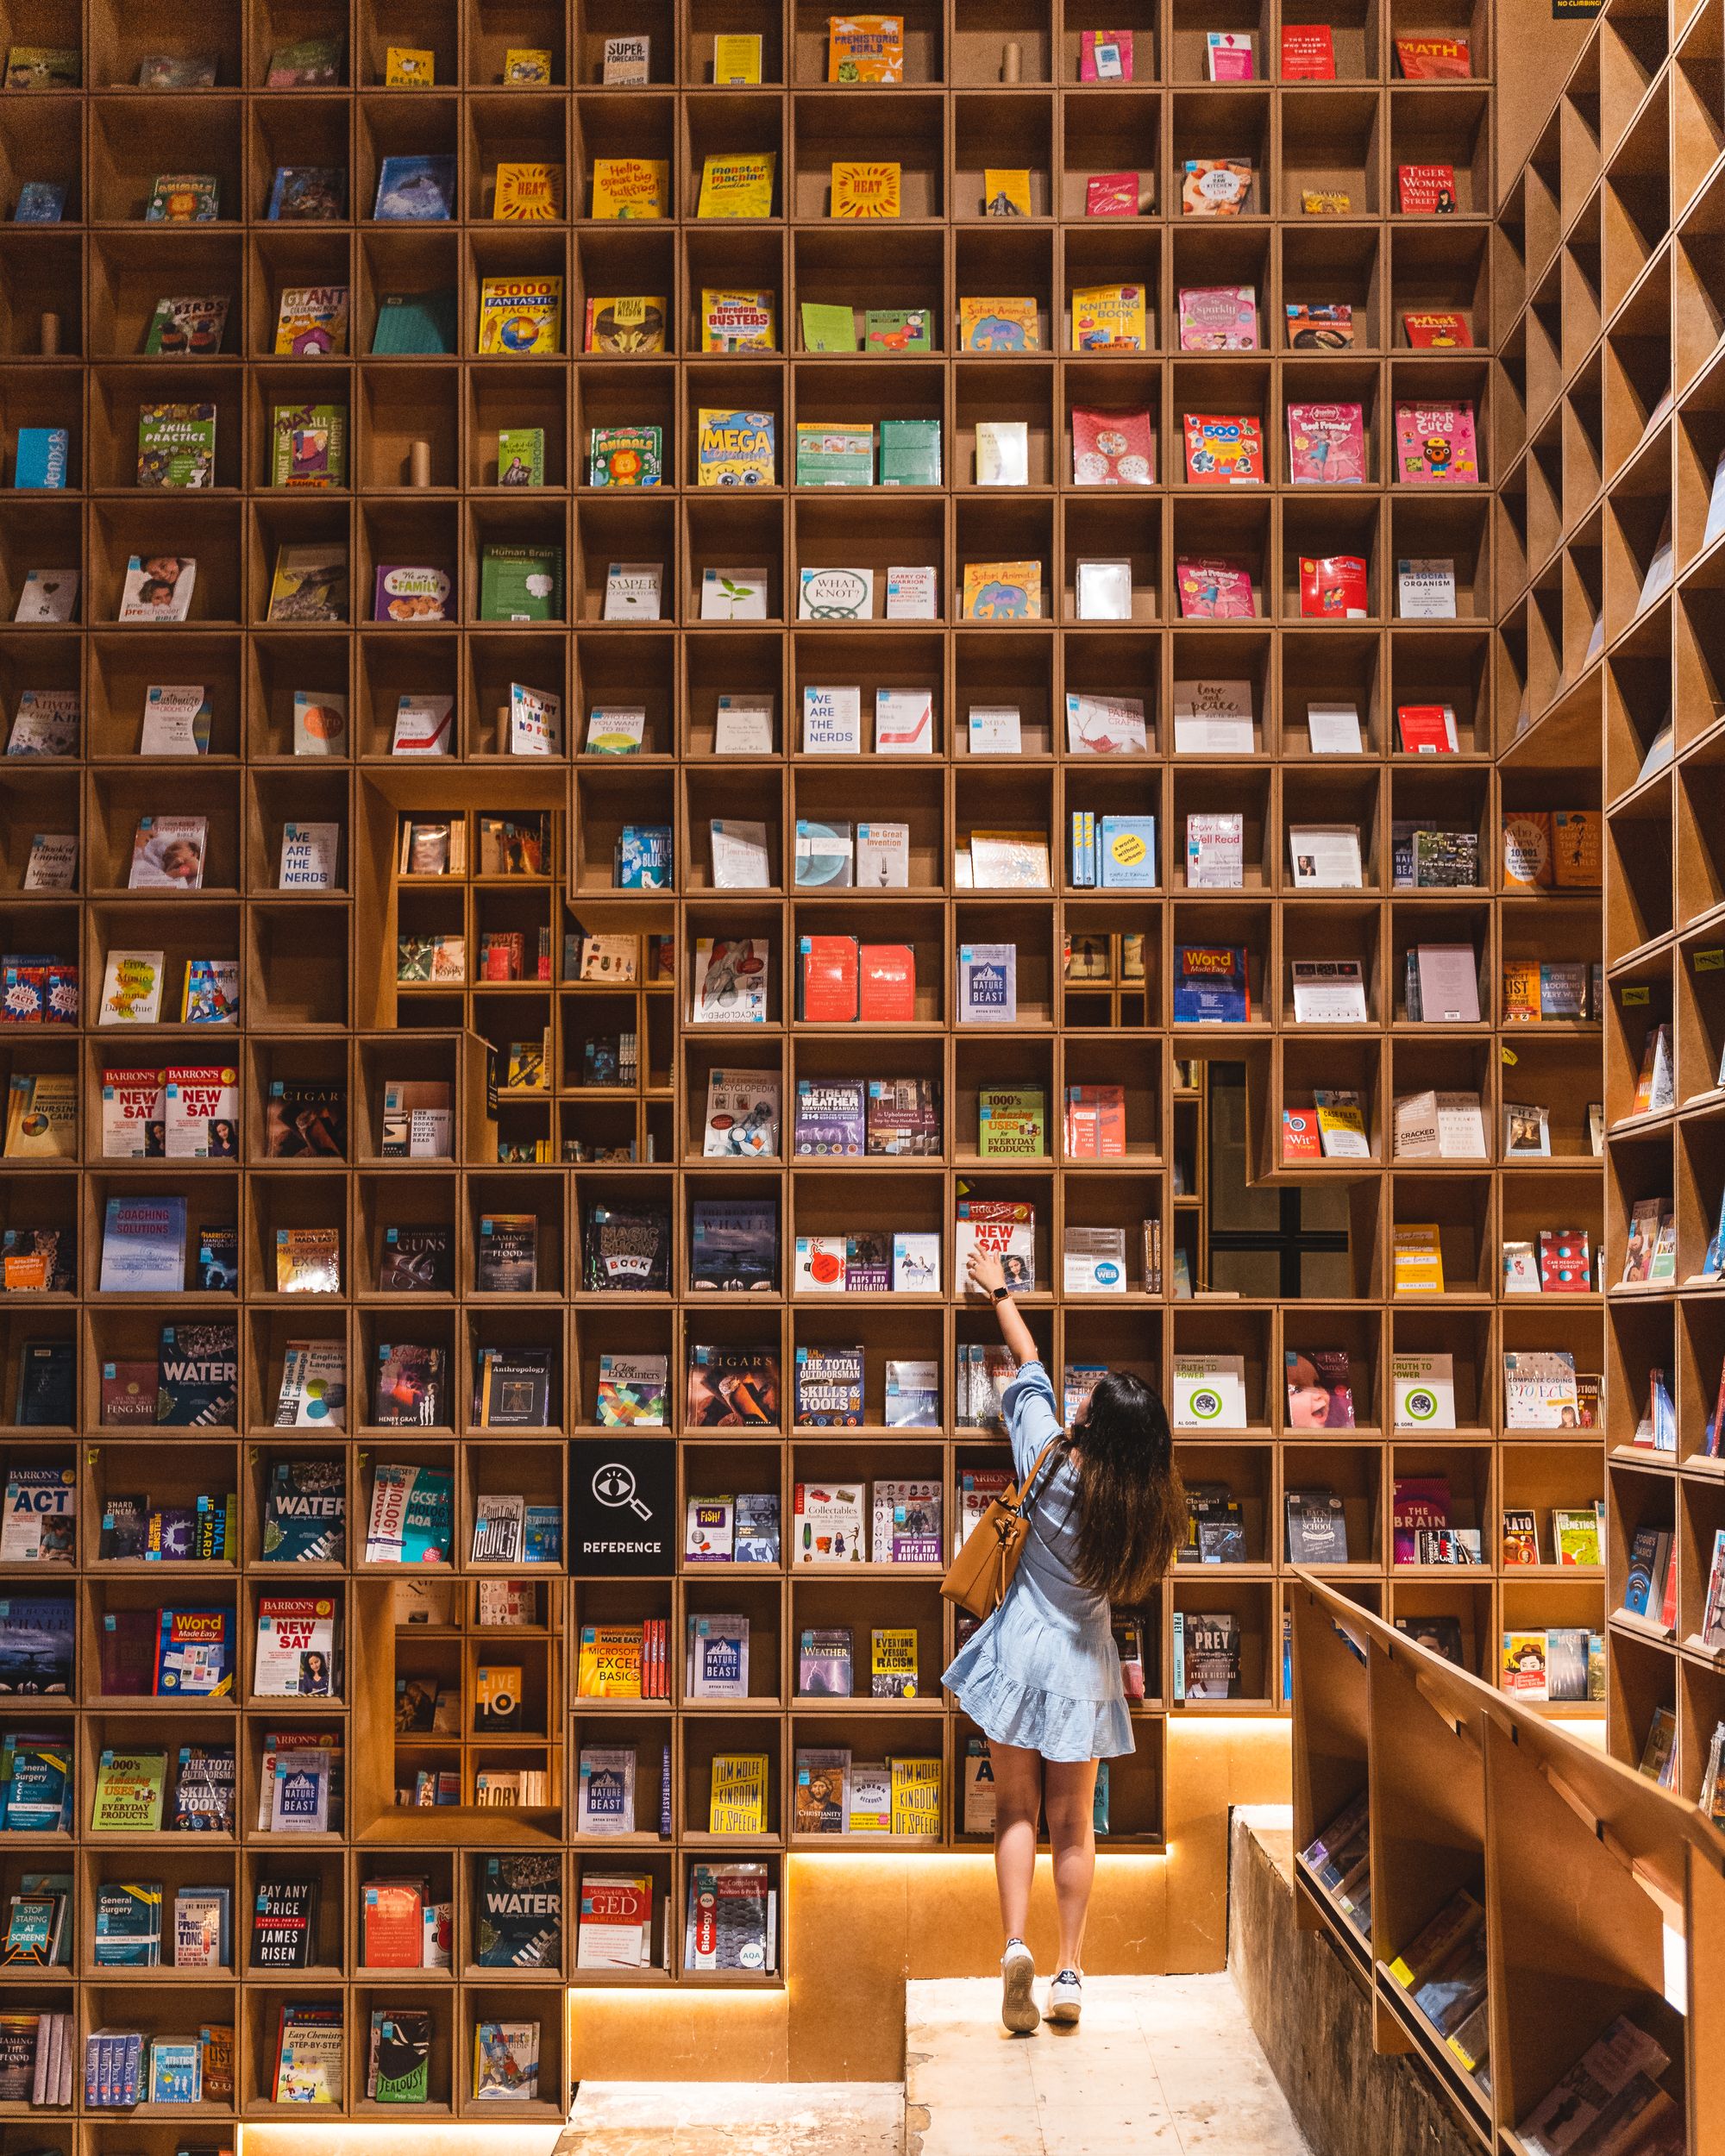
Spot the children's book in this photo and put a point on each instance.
(890, 330)
(528, 193)
(184, 198)
(631, 187)
(1002, 590)
(1109, 318)
(1326, 445)
(188, 328)
(312, 320)
(1112, 448)
(740, 321)
(865, 49)
(309, 194)
(627, 325)
(1223, 449)
(1437, 329)
(158, 588)
(738, 187)
(310, 445)
(1435, 445)
(522, 316)
(1218, 318)
(416, 190)
(735, 448)
(1213, 590)
(999, 325)
(866, 189)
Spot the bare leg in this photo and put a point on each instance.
(1072, 1790)
(1018, 1798)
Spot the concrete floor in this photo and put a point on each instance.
(1166, 2064)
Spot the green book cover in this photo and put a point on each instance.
(521, 584)
(310, 445)
(828, 328)
(415, 322)
(838, 456)
(896, 329)
(399, 2070)
(128, 1923)
(625, 456)
(129, 1792)
(521, 456)
(176, 445)
(910, 453)
(184, 198)
(1010, 1121)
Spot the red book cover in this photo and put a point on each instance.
(1426, 729)
(1212, 589)
(888, 984)
(1438, 329)
(1223, 449)
(1308, 52)
(1426, 191)
(394, 1925)
(1668, 1604)
(1565, 1262)
(829, 980)
(1333, 587)
(1299, 1138)
(1111, 195)
(1112, 448)
(1434, 59)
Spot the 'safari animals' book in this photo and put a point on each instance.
(998, 325)
(631, 187)
(1112, 448)
(739, 186)
(520, 315)
(1002, 590)
(735, 448)
(1214, 590)
(1326, 445)
(865, 49)
(1435, 445)
(627, 325)
(737, 322)
(1108, 318)
(1223, 449)
(527, 194)
(865, 190)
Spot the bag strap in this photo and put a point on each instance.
(1027, 1495)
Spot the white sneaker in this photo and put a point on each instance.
(1017, 1975)
(1066, 1997)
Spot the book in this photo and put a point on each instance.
(309, 584)
(1326, 445)
(1112, 448)
(1308, 52)
(1218, 318)
(527, 193)
(1109, 318)
(1006, 191)
(521, 316)
(999, 325)
(1429, 329)
(862, 190)
(416, 322)
(1223, 451)
(739, 184)
(415, 188)
(158, 588)
(184, 198)
(1435, 444)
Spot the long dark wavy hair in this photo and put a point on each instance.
(1131, 1504)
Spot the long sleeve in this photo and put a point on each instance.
(1032, 1416)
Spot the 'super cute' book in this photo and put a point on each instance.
(1435, 445)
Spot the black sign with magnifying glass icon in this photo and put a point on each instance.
(623, 1505)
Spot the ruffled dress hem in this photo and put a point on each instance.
(1056, 1724)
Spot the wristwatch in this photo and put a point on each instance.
(1001, 1295)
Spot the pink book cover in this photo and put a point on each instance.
(1326, 445)
(1231, 57)
(1112, 448)
(1105, 55)
(1218, 318)
(1212, 589)
(1434, 445)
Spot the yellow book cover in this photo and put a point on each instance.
(1419, 1259)
(1006, 192)
(738, 1803)
(631, 187)
(865, 49)
(1108, 318)
(1326, 202)
(865, 191)
(526, 63)
(916, 1795)
(737, 58)
(1002, 590)
(528, 193)
(520, 315)
(739, 186)
(408, 67)
(1520, 991)
(998, 325)
(737, 322)
(626, 324)
(610, 1661)
(893, 1662)
(734, 448)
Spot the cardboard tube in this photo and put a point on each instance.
(50, 336)
(1012, 61)
(419, 464)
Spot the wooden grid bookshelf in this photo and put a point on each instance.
(1582, 1868)
(1613, 223)
(320, 998)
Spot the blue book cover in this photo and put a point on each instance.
(645, 857)
(310, 194)
(36, 1634)
(416, 189)
(176, 2075)
(1210, 985)
(39, 202)
(542, 1535)
(143, 1245)
(43, 456)
(1128, 853)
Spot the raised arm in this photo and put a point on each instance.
(987, 1273)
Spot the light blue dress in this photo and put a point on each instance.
(1043, 1672)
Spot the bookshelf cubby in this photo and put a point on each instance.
(1597, 257)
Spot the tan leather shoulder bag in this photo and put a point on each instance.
(982, 1571)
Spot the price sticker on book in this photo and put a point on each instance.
(1709, 961)
(1629, 996)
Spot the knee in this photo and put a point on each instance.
(1012, 1809)
(1070, 1822)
